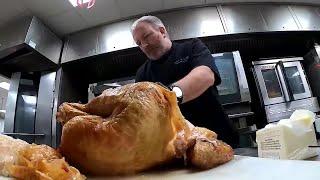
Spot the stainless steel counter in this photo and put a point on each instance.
(240, 168)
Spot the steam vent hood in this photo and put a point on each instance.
(27, 45)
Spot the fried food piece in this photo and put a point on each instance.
(34, 162)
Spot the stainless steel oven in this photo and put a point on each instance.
(95, 89)
(234, 86)
(283, 87)
(235, 96)
(29, 107)
(312, 67)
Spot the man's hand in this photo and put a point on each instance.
(196, 82)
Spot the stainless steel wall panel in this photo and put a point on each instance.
(13, 34)
(192, 23)
(115, 37)
(55, 109)
(30, 31)
(81, 45)
(278, 18)
(44, 108)
(243, 83)
(243, 18)
(196, 22)
(11, 103)
(308, 17)
(43, 40)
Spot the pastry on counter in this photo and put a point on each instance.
(133, 128)
(21, 160)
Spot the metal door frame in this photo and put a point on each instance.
(262, 87)
(258, 67)
(307, 93)
(241, 76)
(12, 102)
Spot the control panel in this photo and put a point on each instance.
(276, 112)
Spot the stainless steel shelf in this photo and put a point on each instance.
(23, 134)
(231, 116)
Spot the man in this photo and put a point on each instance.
(187, 69)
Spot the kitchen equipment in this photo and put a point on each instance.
(234, 86)
(312, 67)
(27, 45)
(283, 87)
(2, 116)
(317, 124)
(95, 89)
(29, 107)
(235, 96)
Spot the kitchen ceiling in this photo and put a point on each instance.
(62, 18)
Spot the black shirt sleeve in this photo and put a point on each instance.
(201, 55)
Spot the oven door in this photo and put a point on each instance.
(234, 87)
(228, 90)
(268, 83)
(297, 80)
(284, 84)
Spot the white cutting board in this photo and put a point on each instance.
(241, 168)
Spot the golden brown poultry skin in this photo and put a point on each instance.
(207, 151)
(133, 128)
(35, 162)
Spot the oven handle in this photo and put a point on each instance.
(284, 82)
(286, 79)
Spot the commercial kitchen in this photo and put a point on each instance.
(267, 54)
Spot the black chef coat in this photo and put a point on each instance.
(204, 111)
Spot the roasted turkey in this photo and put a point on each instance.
(133, 128)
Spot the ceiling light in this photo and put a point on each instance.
(88, 3)
(30, 99)
(75, 4)
(5, 85)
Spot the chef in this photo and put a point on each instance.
(187, 69)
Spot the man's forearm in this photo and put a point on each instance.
(196, 82)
